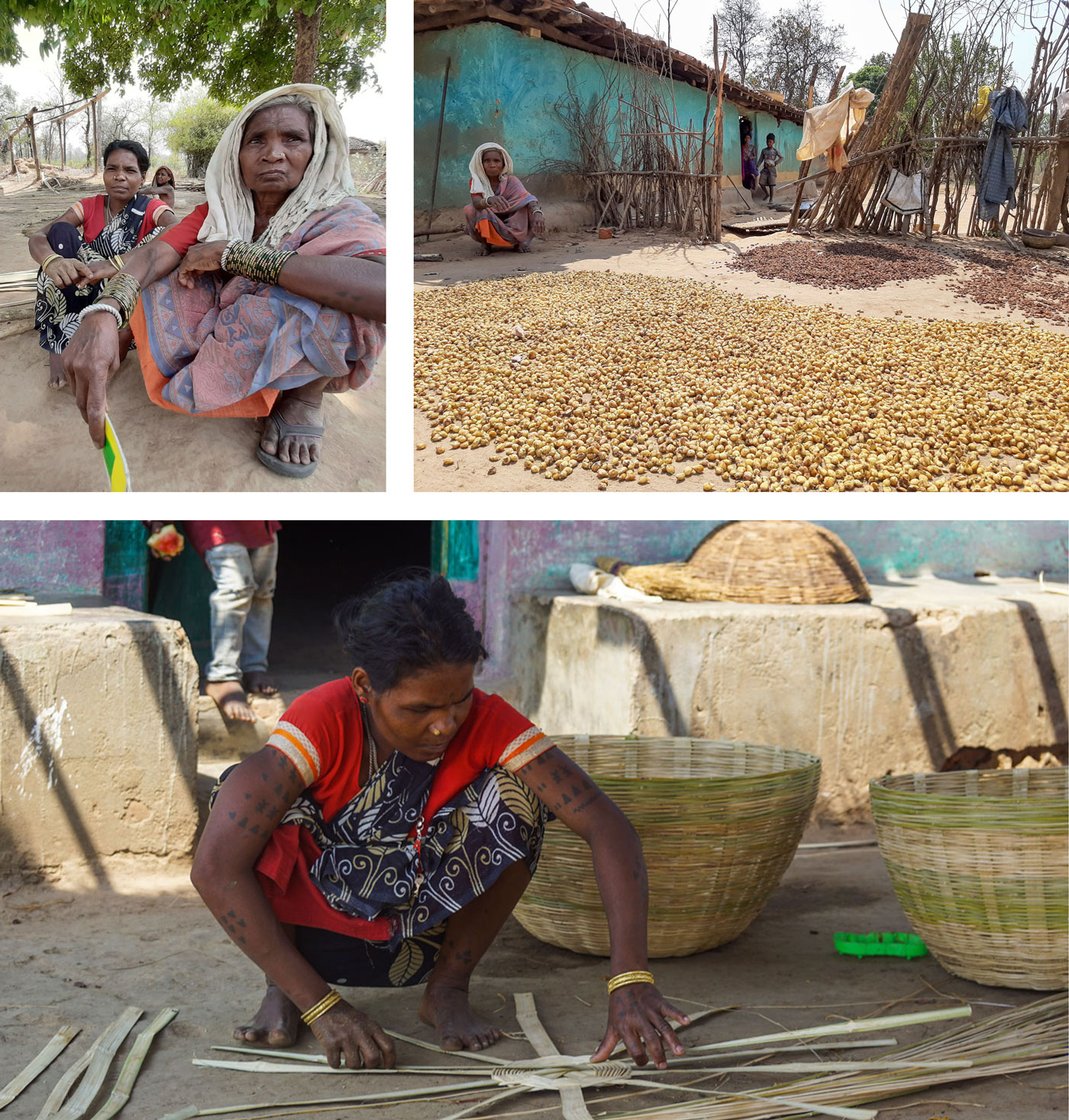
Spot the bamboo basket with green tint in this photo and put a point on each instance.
(978, 861)
(719, 823)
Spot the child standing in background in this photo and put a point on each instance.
(767, 161)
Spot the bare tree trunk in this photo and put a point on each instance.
(96, 138)
(304, 66)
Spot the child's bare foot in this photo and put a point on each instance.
(57, 376)
(260, 684)
(230, 699)
(276, 1023)
(459, 1028)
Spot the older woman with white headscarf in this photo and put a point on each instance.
(503, 214)
(264, 297)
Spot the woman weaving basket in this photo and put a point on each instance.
(264, 297)
(387, 830)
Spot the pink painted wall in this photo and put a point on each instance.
(52, 557)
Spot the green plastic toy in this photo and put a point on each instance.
(907, 945)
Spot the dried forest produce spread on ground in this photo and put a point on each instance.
(992, 275)
(628, 375)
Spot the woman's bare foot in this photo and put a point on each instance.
(260, 684)
(304, 413)
(459, 1028)
(230, 699)
(277, 1023)
(57, 376)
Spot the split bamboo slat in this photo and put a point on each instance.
(756, 562)
(97, 1060)
(719, 823)
(51, 1050)
(978, 861)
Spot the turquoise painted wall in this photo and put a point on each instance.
(504, 87)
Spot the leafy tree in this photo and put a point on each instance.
(741, 29)
(238, 48)
(195, 131)
(798, 41)
(873, 76)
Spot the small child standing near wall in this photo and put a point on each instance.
(766, 162)
(241, 556)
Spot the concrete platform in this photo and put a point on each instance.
(893, 686)
(98, 742)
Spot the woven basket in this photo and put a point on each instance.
(978, 861)
(719, 823)
(757, 562)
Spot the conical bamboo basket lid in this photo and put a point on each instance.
(757, 562)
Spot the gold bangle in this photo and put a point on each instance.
(49, 259)
(622, 979)
(320, 1008)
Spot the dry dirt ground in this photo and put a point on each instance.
(80, 955)
(44, 444)
(657, 255)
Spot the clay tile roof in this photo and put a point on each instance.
(573, 24)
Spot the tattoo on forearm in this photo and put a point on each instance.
(233, 924)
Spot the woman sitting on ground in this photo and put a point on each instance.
(387, 830)
(84, 246)
(503, 214)
(163, 184)
(264, 297)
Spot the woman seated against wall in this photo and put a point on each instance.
(266, 296)
(502, 214)
(85, 245)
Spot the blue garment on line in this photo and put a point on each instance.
(998, 175)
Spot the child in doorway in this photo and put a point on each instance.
(241, 556)
(766, 162)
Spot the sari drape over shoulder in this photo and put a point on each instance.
(229, 345)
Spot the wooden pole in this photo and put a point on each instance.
(803, 169)
(872, 134)
(718, 139)
(33, 143)
(1057, 197)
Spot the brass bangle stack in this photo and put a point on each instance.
(124, 289)
(320, 1008)
(622, 979)
(48, 260)
(257, 262)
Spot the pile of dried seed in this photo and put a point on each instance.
(1025, 283)
(842, 264)
(629, 376)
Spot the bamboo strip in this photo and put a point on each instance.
(104, 1050)
(53, 1107)
(191, 1111)
(258, 1066)
(48, 1054)
(573, 1104)
(132, 1066)
(848, 1026)
(798, 1106)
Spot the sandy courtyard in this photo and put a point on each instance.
(920, 301)
(79, 956)
(44, 444)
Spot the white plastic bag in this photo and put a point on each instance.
(905, 193)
